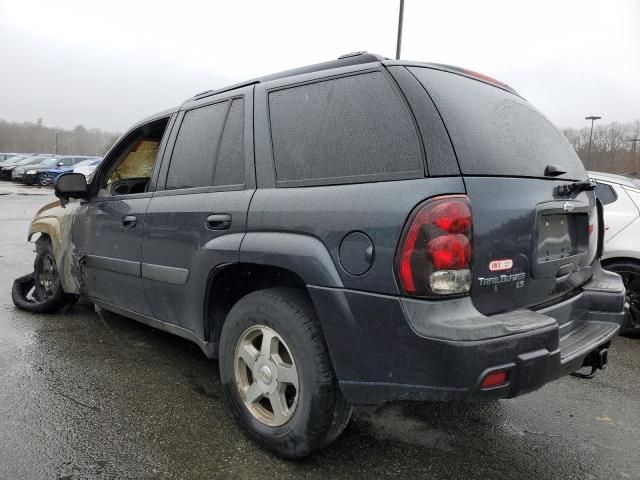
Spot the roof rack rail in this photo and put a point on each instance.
(354, 58)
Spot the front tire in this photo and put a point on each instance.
(42, 180)
(276, 371)
(630, 273)
(41, 291)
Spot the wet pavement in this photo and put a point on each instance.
(87, 396)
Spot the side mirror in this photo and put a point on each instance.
(60, 163)
(71, 185)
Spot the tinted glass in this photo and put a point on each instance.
(605, 193)
(495, 132)
(229, 167)
(196, 147)
(343, 128)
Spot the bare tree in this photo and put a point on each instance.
(610, 149)
(36, 137)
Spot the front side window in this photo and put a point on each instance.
(136, 159)
(343, 130)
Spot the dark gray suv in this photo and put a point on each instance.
(354, 232)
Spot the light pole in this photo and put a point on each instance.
(593, 118)
(633, 141)
(400, 19)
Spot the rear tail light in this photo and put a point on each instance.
(495, 379)
(434, 257)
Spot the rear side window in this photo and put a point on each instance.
(495, 132)
(343, 130)
(229, 167)
(196, 147)
(605, 193)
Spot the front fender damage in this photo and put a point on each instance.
(56, 222)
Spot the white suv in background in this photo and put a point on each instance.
(620, 196)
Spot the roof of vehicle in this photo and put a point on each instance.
(355, 58)
(623, 180)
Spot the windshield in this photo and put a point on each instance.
(85, 163)
(32, 160)
(26, 161)
(47, 161)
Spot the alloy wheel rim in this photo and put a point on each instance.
(45, 278)
(266, 376)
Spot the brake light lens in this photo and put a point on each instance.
(434, 257)
(495, 379)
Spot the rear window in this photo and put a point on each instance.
(495, 132)
(343, 130)
(605, 193)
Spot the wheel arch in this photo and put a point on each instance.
(619, 258)
(266, 259)
(227, 284)
(56, 225)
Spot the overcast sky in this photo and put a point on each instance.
(108, 64)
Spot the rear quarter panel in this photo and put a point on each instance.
(329, 213)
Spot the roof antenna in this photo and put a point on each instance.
(400, 18)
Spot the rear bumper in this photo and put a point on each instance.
(387, 348)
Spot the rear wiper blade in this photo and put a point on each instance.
(577, 187)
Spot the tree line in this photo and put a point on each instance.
(36, 137)
(611, 148)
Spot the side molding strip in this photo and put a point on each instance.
(117, 265)
(162, 273)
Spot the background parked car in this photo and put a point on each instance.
(620, 196)
(35, 173)
(6, 156)
(15, 158)
(67, 163)
(87, 167)
(7, 168)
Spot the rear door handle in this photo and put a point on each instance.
(218, 221)
(129, 221)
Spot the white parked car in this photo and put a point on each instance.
(620, 196)
(87, 167)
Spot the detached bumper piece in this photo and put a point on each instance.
(401, 349)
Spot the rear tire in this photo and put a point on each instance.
(630, 273)
(315, 410)
(41, 291)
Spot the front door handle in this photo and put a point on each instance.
(129, 221)
(218, 221)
